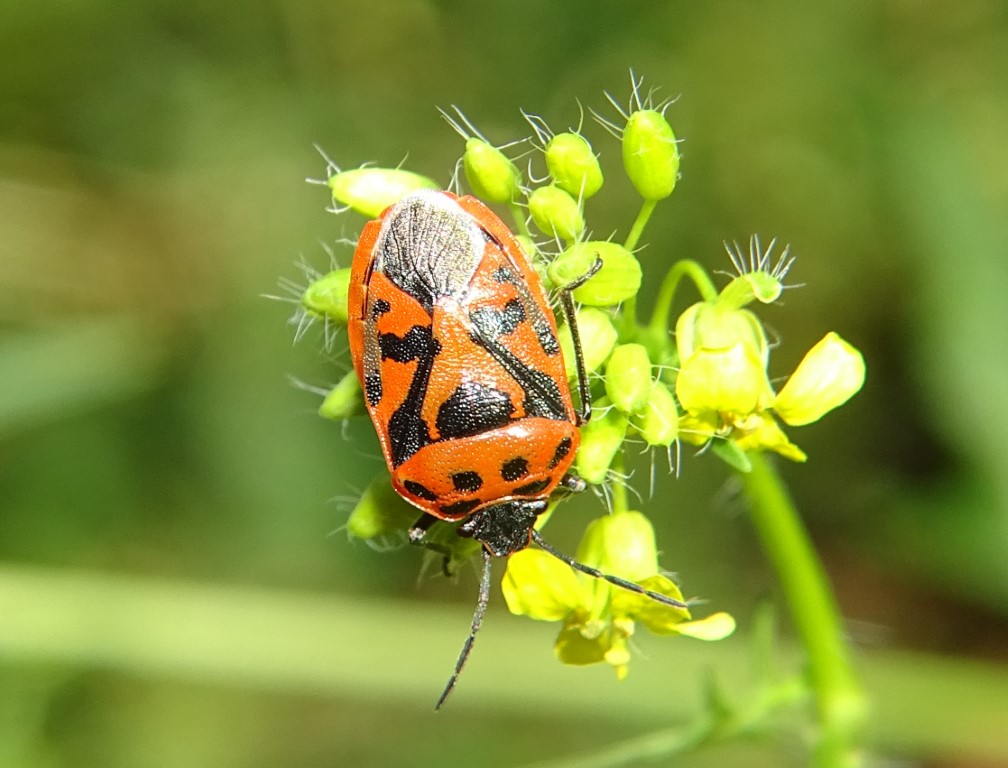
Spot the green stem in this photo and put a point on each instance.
(663, 304)
(628, 312)
(620, 499)
(519, 219)
(643, 215)
(840, 702)
(675, 742)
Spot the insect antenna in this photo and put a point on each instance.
(477, 620)
(628, 585)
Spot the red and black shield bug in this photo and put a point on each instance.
(456, 348)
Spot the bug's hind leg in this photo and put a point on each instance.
(418, 531)
(572, 483)
(418, 536)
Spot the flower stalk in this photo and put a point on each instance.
(840, 702)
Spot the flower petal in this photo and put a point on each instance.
(717, 626)
(829, 375)
(729, 380)
(572, 647)
(541, 587)
(717, 326)
(658, 617)
(763, 433)
(700, 428)
(622, 544)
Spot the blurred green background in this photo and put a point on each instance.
(175, 589)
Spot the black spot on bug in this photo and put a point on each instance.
(492, 323)
(418, 343)
(467, 482)
(542, 394)
(504, 275)
(460, 508)
(373, 388)
(532, 489)
(379, 308)
(562, 449)
(472, 409)
(547, 339)
(420, 490)
(408, 432)
(514, 469)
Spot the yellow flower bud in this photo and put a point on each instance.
(622, 544)
(573, 165)
(556, 213)
(758, 286)
(617, 280)
(712, 326)
(628, 377)
(650, 154)
(327, 296)
(371, 190)
(729, 381)
(344, 400)
(830, 374)
(492, 176)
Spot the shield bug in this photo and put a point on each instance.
(456, 348)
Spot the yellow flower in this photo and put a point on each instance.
(723, 387)
(598, 617)
(730, 381)
(829, 375)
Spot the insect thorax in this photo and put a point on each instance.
(505, 527)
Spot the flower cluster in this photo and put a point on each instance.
(597, 618)
(707, 385)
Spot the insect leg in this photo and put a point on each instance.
(568, 305)
(418, 531)
(624, 583)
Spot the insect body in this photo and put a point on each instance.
(456, 348)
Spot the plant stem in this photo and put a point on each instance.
(663, 303)
(628, 312)
(840, 702)
(620, 499)
(643, 215)
(519, 219)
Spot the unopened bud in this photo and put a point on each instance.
(598, 337)
(556, 213)
(344, 400)
(658, 422)
(327, 296)
(380, 511)
(573, 165)
(617, 280)
(491, 175)
(628, 377)
(601, 438)
(650, 154)
(371, 190)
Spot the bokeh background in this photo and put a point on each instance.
(175, 589)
